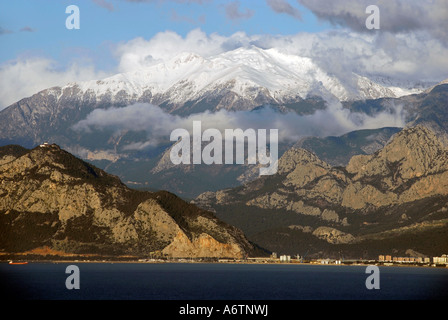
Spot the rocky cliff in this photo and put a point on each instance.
(51, 199)
(383, 197)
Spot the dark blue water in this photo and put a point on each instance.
(141, 281)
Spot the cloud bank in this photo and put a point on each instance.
(398, 16)
(158, 124)
(404, 57)
(24, 77)
(341, 52)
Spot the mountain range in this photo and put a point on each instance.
(242, 79)
(393, 200)
(245, 79)
(94, 187)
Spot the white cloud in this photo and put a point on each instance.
(158, 124)
(383, 54)
(140, 53)
(26, 76)
(416, 56)
(405, 56)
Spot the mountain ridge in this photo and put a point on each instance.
(279, 76)
(51, 115)
(51, 199)
(327, 209)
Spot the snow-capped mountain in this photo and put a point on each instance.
(240, 79)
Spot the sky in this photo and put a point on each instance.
(37, 28)
(38, 51)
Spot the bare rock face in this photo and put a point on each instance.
(411, 167)
(333, 235)
(50, 198)
(301, 167)
(358, 196)
(202, 246)
(414, 153)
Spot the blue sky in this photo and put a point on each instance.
(38, 27)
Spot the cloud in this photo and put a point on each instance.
(140, 53)
(340, 52)
(399, 16)
(104, 4)
(343, 52)
(177, 1)
(27, 29)
(185, 19)
(4, 31)
(233, 11)
(282, 6)
(158, 124)
(24, 77)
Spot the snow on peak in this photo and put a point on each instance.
(189, 76)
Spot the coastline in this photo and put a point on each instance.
(240, 262)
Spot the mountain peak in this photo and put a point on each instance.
(436, 85)
(299, 157)
(412, 152)
(49, 161)
(189, 76)
(49, 198)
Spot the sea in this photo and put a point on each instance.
(219, 281)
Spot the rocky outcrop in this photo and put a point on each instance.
(202, 246)
(301, 167)
(411, 167)
(333, 235)
(413, 153)
(49, 198)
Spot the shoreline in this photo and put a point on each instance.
(77, 261)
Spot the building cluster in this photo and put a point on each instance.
(327, 261)
(282, 258)
(440, 260)
(436, 260)
(285, 258)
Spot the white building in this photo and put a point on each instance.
(440, 260)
